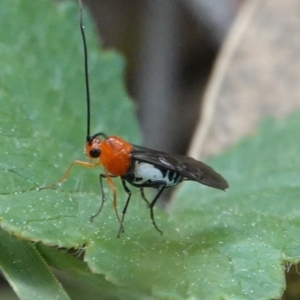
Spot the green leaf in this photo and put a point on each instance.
(252, 232)
(43, 124)
(84, 284)
(215, 245)
(26, 271)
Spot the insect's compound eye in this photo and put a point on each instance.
(95, 153)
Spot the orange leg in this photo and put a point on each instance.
(108, 179)
(114, 191)
(65, 175)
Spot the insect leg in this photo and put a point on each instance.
(65, 175)
(101, 176)
(160, 190)
(114, 191)
(144, 197)
(127, 190)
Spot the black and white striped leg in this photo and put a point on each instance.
(127, 190)
(101, 176)
(160, 190)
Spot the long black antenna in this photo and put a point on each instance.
(86, 72)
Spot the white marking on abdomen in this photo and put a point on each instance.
(144, 172)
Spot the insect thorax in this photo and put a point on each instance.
(143, 174)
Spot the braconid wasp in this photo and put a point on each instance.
(139, 166)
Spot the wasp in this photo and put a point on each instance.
(138, 166)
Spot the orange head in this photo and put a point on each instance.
(113, 153)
